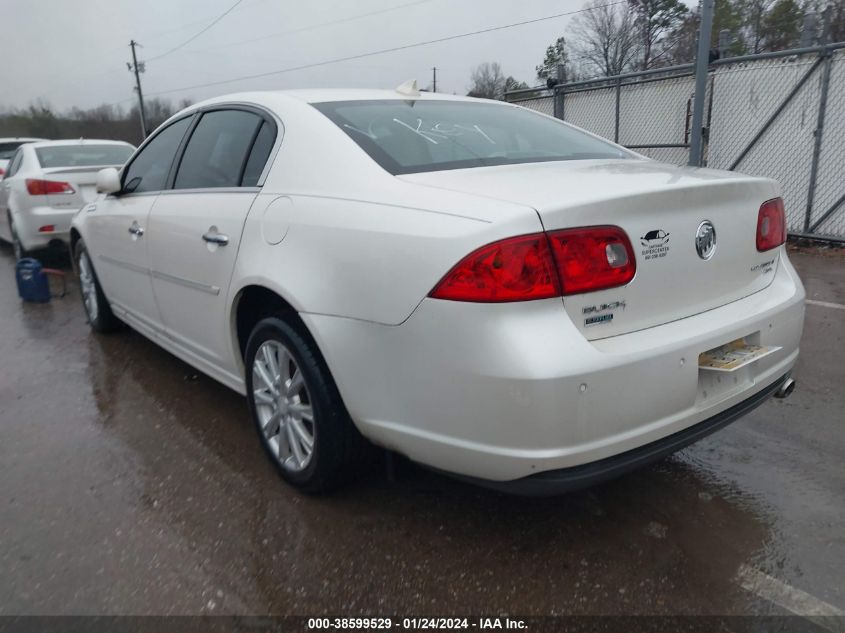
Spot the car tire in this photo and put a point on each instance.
(17, 245)
(297, 404)
(94, 302)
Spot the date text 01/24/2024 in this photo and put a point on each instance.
(415, 624)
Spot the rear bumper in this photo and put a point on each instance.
(502, 392)
(30, 221)
(555, 482)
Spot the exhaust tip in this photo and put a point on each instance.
(786, 389)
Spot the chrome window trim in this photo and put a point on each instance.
(172, 192)
(280, 135)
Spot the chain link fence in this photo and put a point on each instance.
(779, 115)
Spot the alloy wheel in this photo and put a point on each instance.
(88, 287)
(283, 406)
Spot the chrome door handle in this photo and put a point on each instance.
(213, 237)
(136, 229)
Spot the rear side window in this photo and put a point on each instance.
(149, 170)
(83, 155)
(15, 164)
(217, 151)
(259, 155)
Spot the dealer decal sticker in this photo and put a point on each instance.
(655, 244)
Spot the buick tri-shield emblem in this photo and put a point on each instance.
(705, 240)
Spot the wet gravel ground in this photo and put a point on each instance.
(131, 484)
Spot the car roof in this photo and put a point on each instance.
(27, 139)
(79, 141)
(322, 95)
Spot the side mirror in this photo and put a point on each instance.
(108, 180)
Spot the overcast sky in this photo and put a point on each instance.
(74, 52)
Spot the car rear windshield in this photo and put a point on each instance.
(7, 150)
(83, 155)
(420, 135)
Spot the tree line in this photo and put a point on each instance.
(610, 39)
(40, 120)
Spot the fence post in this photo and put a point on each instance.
(702, 61)
(618, 97)
(558, 92)
(817, 133)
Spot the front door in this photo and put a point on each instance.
(116, 234)
(116, 244)
(195, 230)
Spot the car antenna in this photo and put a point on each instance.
(409, 88)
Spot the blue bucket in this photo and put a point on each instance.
(33, 281)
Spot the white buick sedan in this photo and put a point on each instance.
(489, 291)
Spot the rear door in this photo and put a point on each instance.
(116, 228)
(195, 227)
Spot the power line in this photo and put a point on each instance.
(270, 36)
(384, 50)
(308, 28)
(157, 34)
(192, 38)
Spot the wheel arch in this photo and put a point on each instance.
(256, 301)
(75, 238)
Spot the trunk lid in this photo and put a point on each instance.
(661, 208)
(83, 179)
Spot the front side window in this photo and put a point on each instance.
(149, 170)
(83, 155)
(407, 136)
(216, 153)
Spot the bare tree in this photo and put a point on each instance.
(604, 38)
(683, 38)
(754, 14)
(837, 21)
(655, 21)
(488, 81)
(780, 28)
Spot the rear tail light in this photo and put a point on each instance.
(37, 187)
(593, 258)
(2, 172)
(771, 225)
(47, 228)
(542, 265)
(515, 269)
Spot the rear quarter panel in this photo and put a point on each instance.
(356, 259)
(333, 233)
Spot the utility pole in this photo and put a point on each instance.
(434, 79)
(138, 69)
(702, 61)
